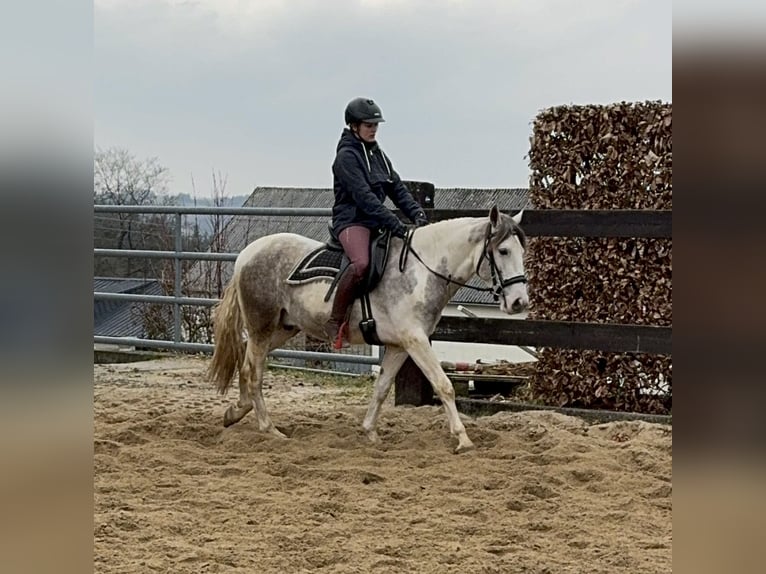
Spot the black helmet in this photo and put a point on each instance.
(363, 110)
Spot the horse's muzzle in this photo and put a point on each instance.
(515, 302)
(519, 305)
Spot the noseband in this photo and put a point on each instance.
(498, 283)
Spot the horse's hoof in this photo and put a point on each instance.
(373, 437)
(464, 447)
(277, 433)
(228, 418)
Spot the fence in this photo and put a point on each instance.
(411, 388)
(177, 299)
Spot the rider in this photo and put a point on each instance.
(362, 178)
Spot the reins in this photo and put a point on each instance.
(498, 283)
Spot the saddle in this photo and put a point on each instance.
(329, 261)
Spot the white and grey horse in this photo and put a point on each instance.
(406, 304)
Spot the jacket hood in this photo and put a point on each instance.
(348, 139)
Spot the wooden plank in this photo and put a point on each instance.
(461, 388)
(479, 407)
(412, 388)
(593, 223)
(558, 334)
(510, 379)
(581, 222)
(487, 384)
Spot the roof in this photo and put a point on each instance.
(472, 198)
(122, 318)
(241, 230)
(121, 285)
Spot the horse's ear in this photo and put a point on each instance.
(494, 215)
(517, 217)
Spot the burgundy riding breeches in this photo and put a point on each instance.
(356, 243)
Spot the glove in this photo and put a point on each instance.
(400, 232)
(421, 219)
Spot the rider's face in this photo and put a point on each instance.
(367, 131)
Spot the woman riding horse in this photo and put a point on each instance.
(363, 177)
(434, 262)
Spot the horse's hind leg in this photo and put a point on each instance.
(425, 358)
(256, 358)
(244, 405)
(393, 359)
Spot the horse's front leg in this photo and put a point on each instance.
(393, 359)
(425, 358)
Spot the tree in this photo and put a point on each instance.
(122, 179)
(198, 278)
(206, 278)
(218, 239)
(119, 178)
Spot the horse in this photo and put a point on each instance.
(407, 304)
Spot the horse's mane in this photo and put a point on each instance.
(505, 226)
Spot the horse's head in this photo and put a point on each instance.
(501, 263)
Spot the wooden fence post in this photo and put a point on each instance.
(424, 193)
(411, 386)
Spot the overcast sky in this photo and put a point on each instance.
(256, 90)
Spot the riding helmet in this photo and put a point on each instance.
(363, 110)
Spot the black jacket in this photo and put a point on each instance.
(362, 177)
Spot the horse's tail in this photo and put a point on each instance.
(229, 351)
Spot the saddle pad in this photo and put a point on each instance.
(319, 264)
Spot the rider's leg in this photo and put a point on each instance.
(356, 244)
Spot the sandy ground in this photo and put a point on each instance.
(542, 493)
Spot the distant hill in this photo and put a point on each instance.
(186, 200)
(205, 225)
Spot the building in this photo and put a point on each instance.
(128, 318)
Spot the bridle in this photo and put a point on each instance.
(498, 282)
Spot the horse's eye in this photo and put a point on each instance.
(502, 251)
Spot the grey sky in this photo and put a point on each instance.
(256, 90)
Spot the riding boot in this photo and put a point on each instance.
(345, 291)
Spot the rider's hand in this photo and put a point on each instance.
(421, 220)
(400, 232)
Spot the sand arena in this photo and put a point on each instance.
(176, 492)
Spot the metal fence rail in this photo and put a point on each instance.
(205, 348)
(177, 299)
(616, 223)
(154, 254)
(196, 210)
